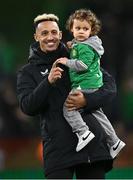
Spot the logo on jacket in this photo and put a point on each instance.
(73, 53)
(43, 73)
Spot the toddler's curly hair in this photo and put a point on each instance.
(89, 16)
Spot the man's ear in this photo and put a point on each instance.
(60, 35)
(35, 37)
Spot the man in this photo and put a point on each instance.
(42, 89)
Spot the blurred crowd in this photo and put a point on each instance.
(13, 122)
(117, 37)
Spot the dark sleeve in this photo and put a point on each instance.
(104, 95)
(32, 97)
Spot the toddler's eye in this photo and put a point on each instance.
(77, 28)
(85, 29)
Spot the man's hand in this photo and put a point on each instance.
(55, 73)
(75, 100)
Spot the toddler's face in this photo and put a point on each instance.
(81, 30)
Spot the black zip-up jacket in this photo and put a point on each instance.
(38, 97)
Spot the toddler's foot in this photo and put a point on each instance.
(116, 148)
(84, 140)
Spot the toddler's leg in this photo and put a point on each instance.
(115, 144)
(79, 127)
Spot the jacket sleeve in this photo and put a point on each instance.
(104, 95)
(32, 97)
(76, 65)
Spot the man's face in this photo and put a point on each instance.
(48, 35)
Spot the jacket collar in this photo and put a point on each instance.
(37, 56)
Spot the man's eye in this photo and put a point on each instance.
(54, 32)
(44, 33)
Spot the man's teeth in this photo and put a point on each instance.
(50, 43)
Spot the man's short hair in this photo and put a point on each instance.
(45, 17)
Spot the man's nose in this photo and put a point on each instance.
(50, 36)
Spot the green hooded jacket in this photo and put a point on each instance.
(89, 52)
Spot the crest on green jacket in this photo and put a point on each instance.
(73, 53)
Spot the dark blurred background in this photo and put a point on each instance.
(20, 148)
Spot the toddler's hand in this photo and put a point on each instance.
(62, 60)
(69, 44)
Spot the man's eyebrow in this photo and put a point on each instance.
(44, 31)
(54, 30)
